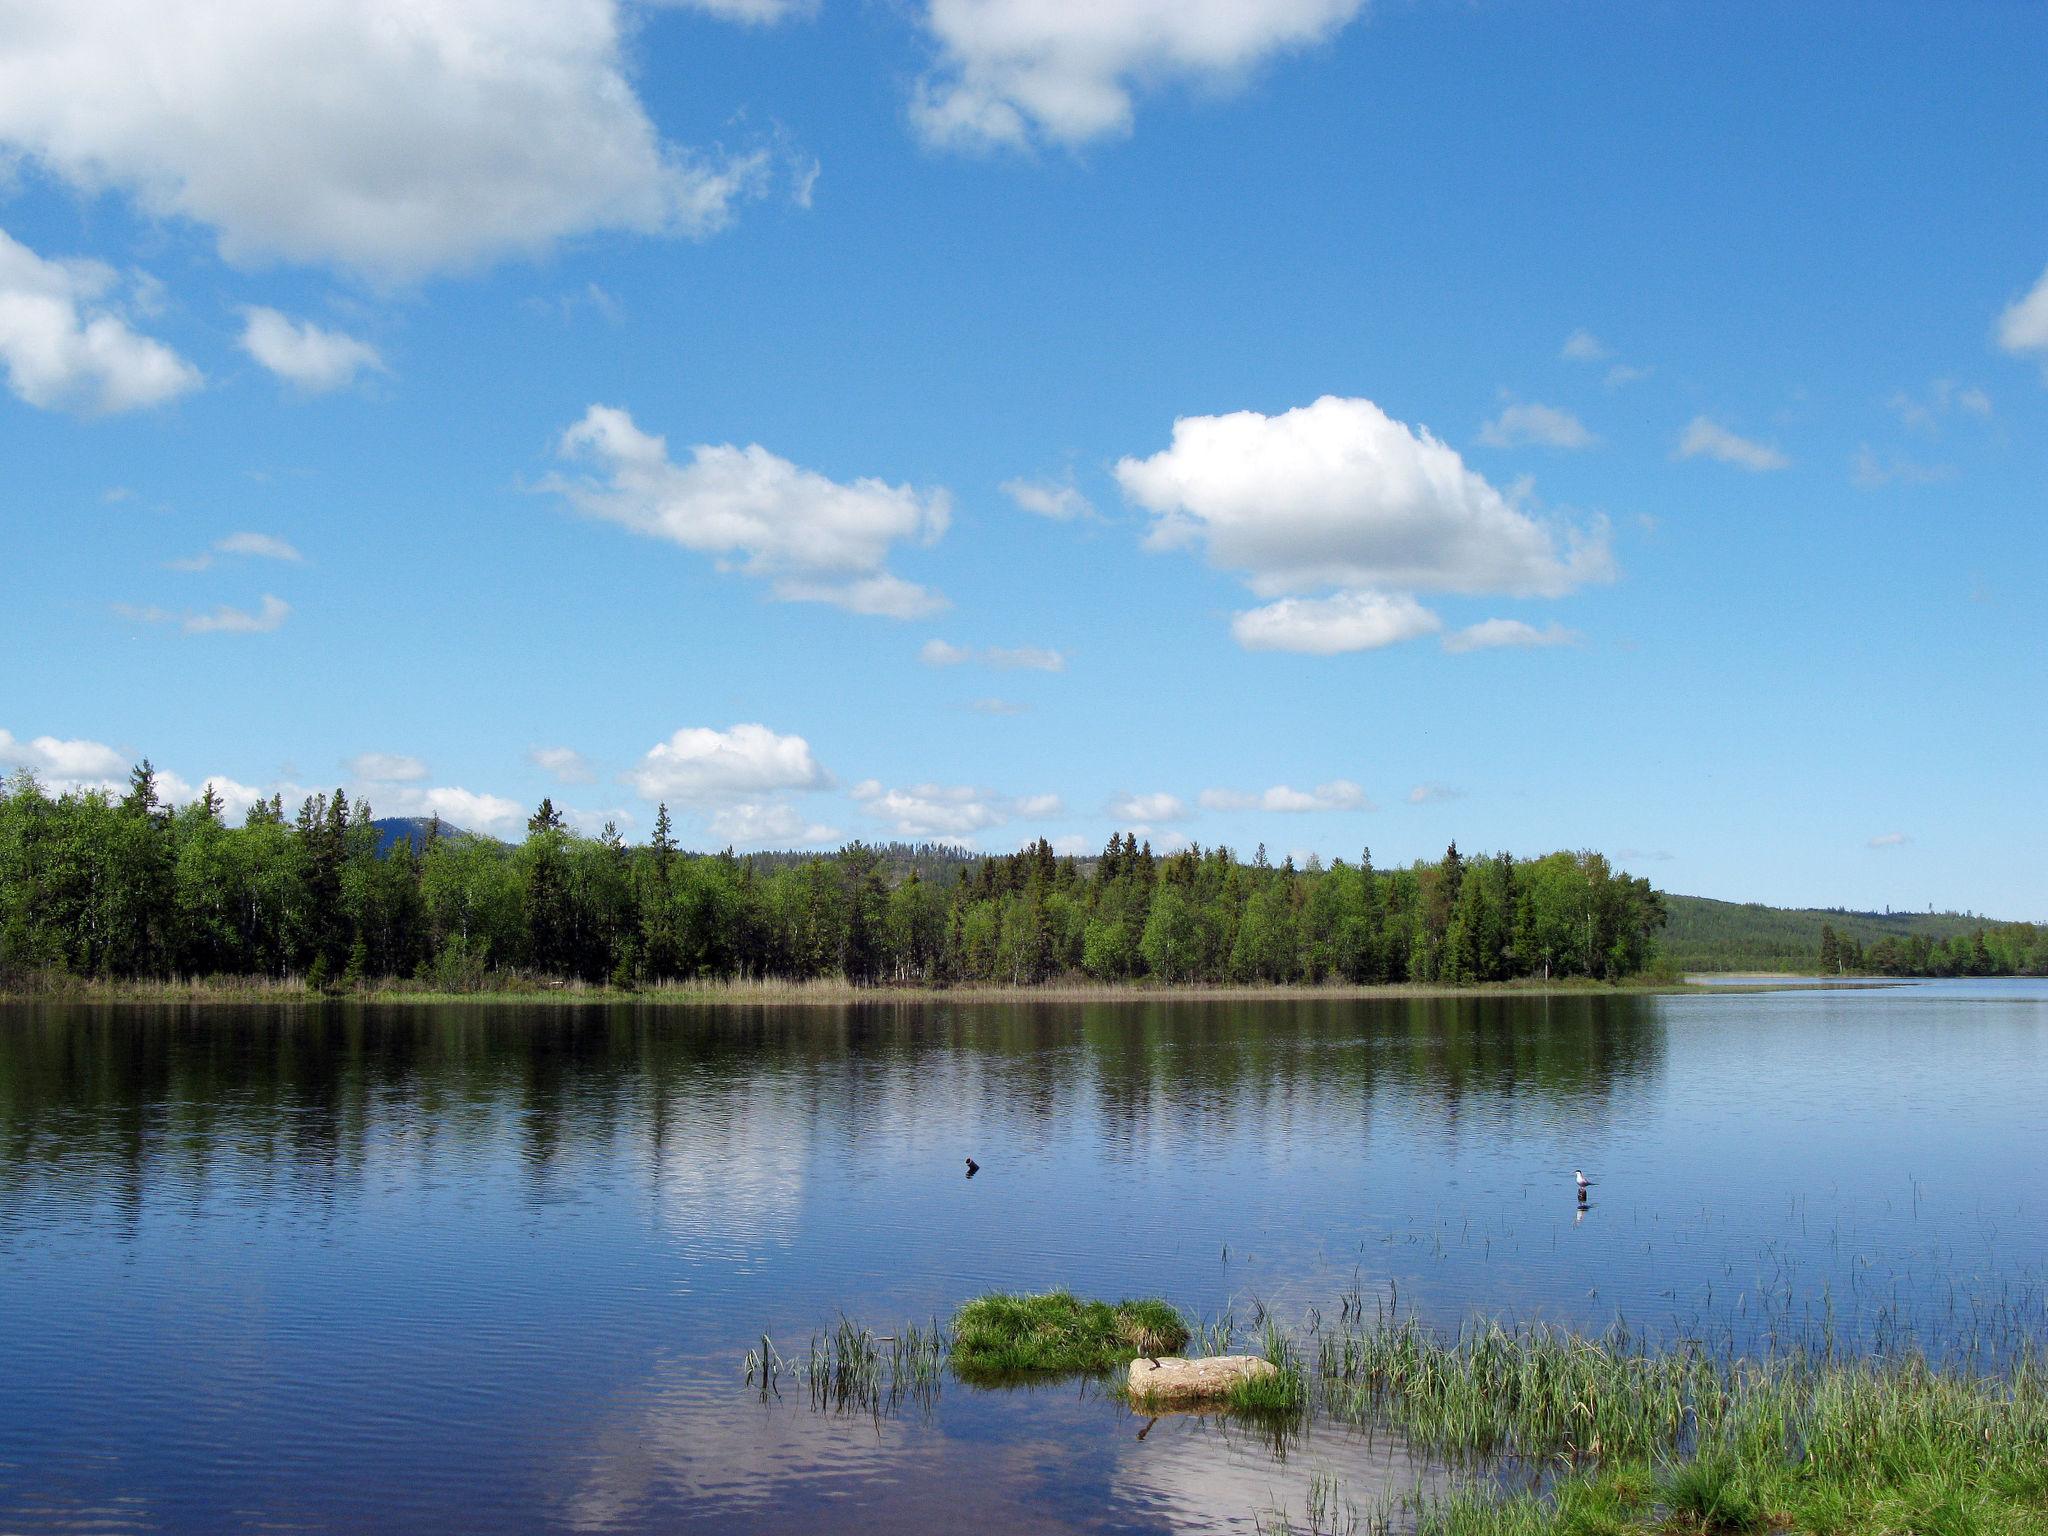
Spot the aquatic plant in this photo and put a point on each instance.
(1004, 1335)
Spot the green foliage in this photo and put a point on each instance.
(999, 1335)
(130, 889)
(1706, 935)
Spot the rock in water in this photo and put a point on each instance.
(1170, 1379)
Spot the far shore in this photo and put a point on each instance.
(799, 993)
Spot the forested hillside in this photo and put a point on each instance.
(96, 886)
(1707, 935)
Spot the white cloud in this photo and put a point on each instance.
(63, 767)
(1339, 494)
(393, 137)
(223, 619)
(1055, 499)
(255, 546)
(1499, 634)
(1329, 626)
(258, 546)
(1544, 425)
(1890, 840)
(1030, 658)
(1582, 346)
(812, 539)
(1923, 413)
(2024, 325)
(1014, 71)
(1869, 470)
(701, 766)
(64, 346)
(1147, 808)
(565, 765)
(387, 768)
(304, 354)
(56, 759)
(1433, 794)
(1623, 373)
(748, 12)
(946, 811)
(1001, 707)
(771, 824)
(468, 809)
(1710, 440)
(1337, 795)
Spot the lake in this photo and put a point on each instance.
(495, 1268)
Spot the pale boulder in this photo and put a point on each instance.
(1170, 1379)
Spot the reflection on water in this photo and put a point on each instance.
(490, 1268)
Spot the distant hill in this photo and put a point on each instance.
(412, 828)
(1709, 935)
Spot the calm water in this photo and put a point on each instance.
(495, 1268)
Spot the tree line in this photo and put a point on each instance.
(2003, 949)
(95, 885)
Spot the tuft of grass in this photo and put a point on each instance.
(1002, 1335)
(1712, 1493)
(1285, 1392)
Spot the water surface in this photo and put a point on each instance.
(493, 1268)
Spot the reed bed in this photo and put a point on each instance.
(854, 1368)
(1557, 1432)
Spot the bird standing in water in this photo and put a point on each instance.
(1584, 1183)
(972, 1167)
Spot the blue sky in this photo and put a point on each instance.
(1539, 424)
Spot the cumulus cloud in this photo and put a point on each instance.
(1337, 795)
(304, 354)
(1707, 439)
(1890, 840)
(565, 765)
(1330, 626)
(1544, 425)
(1015, 72)
(700, 766)
(1055, 499)
(223, 619)
(775, 824)
(387, 768)
(810, 538)
(1147, 808)
(1500, 634)
(1339, 494)
(2023, 328)
(254, 546)
(1032, 658)
(1582, 346)
(65, 345)
(470, 810)
(393, 137)
(949, 812)
(63, 767)
(54, 759)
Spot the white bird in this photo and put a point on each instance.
(1579, 1177)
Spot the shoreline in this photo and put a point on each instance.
(837, 993)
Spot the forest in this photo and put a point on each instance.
(98, 886)
(1707, 935)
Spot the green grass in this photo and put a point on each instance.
(1638, 1441)
(999, 1336)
